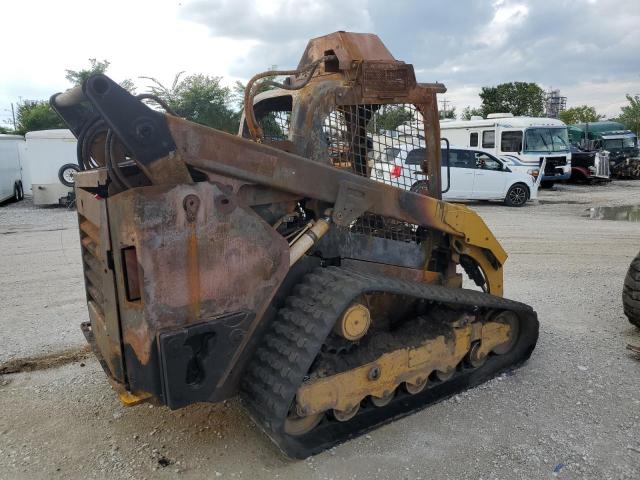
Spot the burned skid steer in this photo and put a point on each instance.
(274, 265)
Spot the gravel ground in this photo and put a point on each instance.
(571, 412)
(41, 289)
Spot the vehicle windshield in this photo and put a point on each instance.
(612, 143)
(544, 139)
(625, 142)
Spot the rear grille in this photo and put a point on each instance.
(602, 165)
(91, 258)
(385, 227)
(552, 163)
(386, 78)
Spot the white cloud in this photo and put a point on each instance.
(138, 38)
(587, 49)
(506, 17)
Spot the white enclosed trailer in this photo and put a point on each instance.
(46, 152)
(10, 169)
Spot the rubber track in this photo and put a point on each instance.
(296, 336)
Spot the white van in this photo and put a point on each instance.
(10, 169)
(46, 153)
(529, 139)
(472, 174)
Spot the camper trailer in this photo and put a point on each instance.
(10, 169)
(529, 139)
(50, 157)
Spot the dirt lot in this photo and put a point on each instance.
(573, 411)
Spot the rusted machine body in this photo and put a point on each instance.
(273, 265)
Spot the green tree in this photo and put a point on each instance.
(518, 98)
(77, 77)
(199, 98)
(36, 115)
(448, 114)
(390, 117)
(630, 116)
(580, 114)
(468, 112)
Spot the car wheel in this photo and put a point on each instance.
(21, 190)
(16, 192)
(67, 174)
(547, 184)
(517, 195)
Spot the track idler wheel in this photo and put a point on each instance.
(512, 320)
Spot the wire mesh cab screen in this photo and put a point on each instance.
(275, 125)
(383, 142)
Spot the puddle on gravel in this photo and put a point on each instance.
(561, 202)
(625, 213)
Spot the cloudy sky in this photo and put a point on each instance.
(589, 49)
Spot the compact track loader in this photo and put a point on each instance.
(274, 264)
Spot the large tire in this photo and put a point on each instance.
(17, 192)
(517, 195)
(66, 174)
(631, 292)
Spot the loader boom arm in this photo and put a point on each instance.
(164, 146)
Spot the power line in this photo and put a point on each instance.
(444, 103)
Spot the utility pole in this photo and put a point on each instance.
(13, 115)
(444, 103)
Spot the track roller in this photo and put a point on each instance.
(443, 376)
(384, 400)
(417, 386)
(298, 425)
(346, 415)
(476, 358)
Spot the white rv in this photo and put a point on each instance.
(529, 139)
(47, 152)
(10, 169)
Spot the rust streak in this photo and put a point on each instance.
(193, 273)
